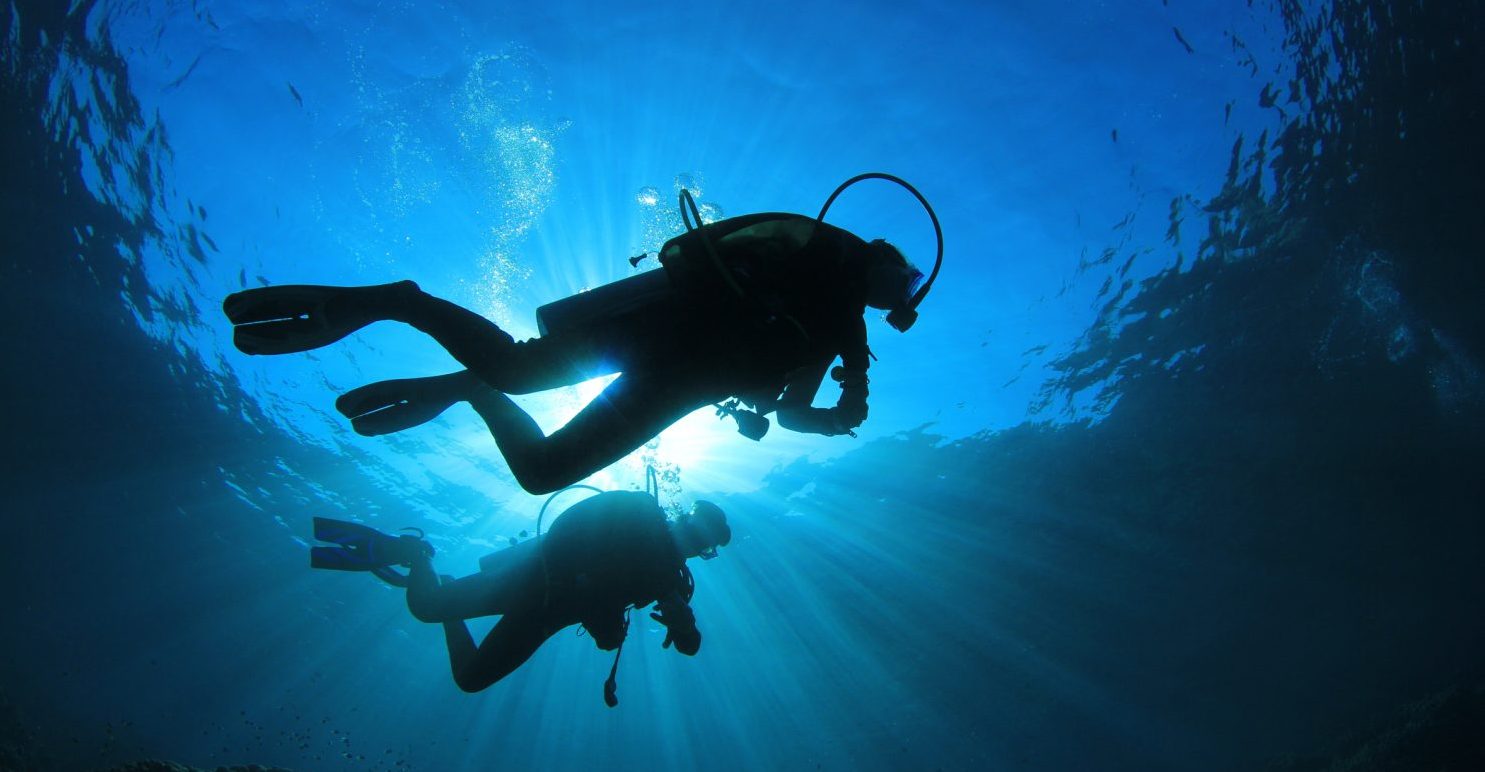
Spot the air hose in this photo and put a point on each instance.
(706, 241)
(652, 482)
(904, 317)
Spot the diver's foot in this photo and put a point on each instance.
(359, 547)
(300, 317)
(392, 406)
(407, 549)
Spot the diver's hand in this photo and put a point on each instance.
(680, 627)
(850, 411)
(845, 420)
(677, 618)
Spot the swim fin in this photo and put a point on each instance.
(391, 406)
(363, 548)
(300, 317)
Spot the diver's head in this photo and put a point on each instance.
(891, 281)
(701, 531)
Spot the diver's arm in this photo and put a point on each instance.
(794, 410)
(680, 624)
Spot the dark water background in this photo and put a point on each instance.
(1272, 539)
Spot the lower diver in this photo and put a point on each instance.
(601, 557)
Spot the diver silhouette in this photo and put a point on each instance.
(751, 309)
(601, 557)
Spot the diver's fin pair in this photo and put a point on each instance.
(363, 548)
(300, 317)
(391, 406)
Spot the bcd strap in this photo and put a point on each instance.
(689, 583)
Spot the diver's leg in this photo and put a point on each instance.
(484, 594)
(478, 343)
(627, 414)
(423, 592)
(497, 358)
(291, 318)
(431, 598)
(508, 645)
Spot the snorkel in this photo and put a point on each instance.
(902, 317)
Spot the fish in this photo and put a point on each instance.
(182, 79)
(1182, 39)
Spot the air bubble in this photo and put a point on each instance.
(1399, 344)
(688, 181)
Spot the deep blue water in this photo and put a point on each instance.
(1179, 470)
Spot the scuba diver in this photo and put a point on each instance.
(603, 556)
(751, 310)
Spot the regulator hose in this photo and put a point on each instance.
(711, 251)
(909, 314)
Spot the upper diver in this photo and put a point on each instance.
(754, 308)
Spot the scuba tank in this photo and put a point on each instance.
(688, 266)
(599, 305)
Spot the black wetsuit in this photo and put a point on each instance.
(803, 294)
(603, 555)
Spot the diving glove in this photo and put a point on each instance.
(680, 627)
